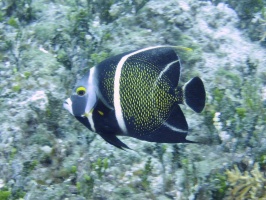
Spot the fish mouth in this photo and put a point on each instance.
(68, 105)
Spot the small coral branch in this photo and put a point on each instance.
(247, 185)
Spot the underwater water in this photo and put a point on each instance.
(46, 46)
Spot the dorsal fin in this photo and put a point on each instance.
(165, 59)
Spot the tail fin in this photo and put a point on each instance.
(194, 94)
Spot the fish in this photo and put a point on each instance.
(136, 94)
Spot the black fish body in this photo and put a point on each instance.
(136, 94)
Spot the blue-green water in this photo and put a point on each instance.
(46, 46)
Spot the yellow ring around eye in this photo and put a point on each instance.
(81, 91)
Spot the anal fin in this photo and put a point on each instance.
(173, 130)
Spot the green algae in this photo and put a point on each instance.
(100, 166)
(4, 194)
(13, 22)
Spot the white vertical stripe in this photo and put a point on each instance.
(91, 122)
(91, 76)
(117, 100)
(91, 101)
(161, 74)
(91, 91)
(165, 70)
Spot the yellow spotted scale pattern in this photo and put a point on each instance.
(108, 83)
(145, 100)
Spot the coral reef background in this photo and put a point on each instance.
(46, 45)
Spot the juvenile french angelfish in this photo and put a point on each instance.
(136, 94)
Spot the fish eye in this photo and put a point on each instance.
(81, 91)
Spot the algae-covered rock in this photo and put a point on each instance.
(45, 46)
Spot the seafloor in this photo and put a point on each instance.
(46, 45)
